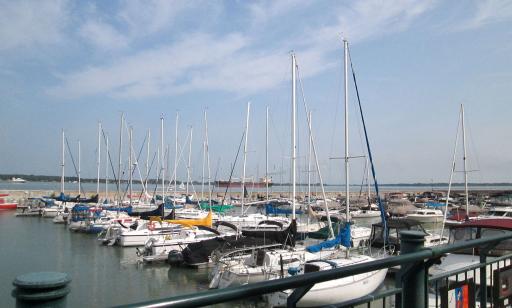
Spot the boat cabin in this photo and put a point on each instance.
(394, 227)
(481, 228)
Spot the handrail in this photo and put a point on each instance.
(269, 286)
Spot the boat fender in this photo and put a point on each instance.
(294, 270)
(175, 258)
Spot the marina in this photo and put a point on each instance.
(255, 154)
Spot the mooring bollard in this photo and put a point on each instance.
(413, 276)
(41, 289)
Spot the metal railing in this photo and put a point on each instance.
(411, 289)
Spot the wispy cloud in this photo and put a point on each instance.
(27, 23)
(235, 62)
(145, 17)
(103, 35)
(488, 12)
(368, 19)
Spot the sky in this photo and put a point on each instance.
(72, 64)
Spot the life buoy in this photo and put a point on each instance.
(151, 226)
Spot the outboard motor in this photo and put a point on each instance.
(175, 258)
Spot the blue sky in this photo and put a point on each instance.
(69, 64)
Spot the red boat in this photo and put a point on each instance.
(6, 204)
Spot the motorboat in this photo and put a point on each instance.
(6, 203)
(426, 215)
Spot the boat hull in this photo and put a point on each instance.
(334, 291)
(8, 206)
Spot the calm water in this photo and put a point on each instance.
(102, 276)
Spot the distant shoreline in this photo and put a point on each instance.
(52, 178)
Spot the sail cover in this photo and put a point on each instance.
(343, 239)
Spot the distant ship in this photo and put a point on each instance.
(17, 180)
(248, 183)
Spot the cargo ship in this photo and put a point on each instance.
(249, 183)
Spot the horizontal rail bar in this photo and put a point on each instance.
(269, 286)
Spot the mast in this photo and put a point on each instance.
(106, 170)
(294, 147)
(189, 156)
(309, 161)
(98, 161)
(204, 156)
(130, 164)
(79, 191)
(207, 154)
(207, 147)
(147, 164)
(368, 182)
(245, 154)
(162, 164)
(120, 153)
(176, 158)
(452, 171)
(62, 163)
(347, 187)
(464, 158)
(266, 154)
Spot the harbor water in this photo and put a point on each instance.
(101, 276)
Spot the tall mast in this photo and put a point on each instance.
(189, 156)
(98, 162)
(79, 191)
(309, 160)
(130, 164)
(266, 154)
(106, 170)
(294, 146)
(62, 163)
(452, 171)
(162, 164)
(464, 159)
(347, 187)
(120, 153)
(176, 157)
(245, 154)
(204, 157)
(207, 147)
(147, 164)
(368, 181)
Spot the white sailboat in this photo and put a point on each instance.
(343, 289)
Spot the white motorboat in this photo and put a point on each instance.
(145, 230)
(158, 248)
(426, 215)
(473, 229)
(50, 212)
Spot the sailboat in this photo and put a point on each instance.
(343, 289)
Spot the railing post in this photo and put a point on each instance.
(413, 276)
(483, 278)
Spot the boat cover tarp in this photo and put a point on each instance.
(274, 210)
(286, 236)
(323, 233)
(343, 238)
(207, 221)
(435, 204)
(145, 215)
(219, 208)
